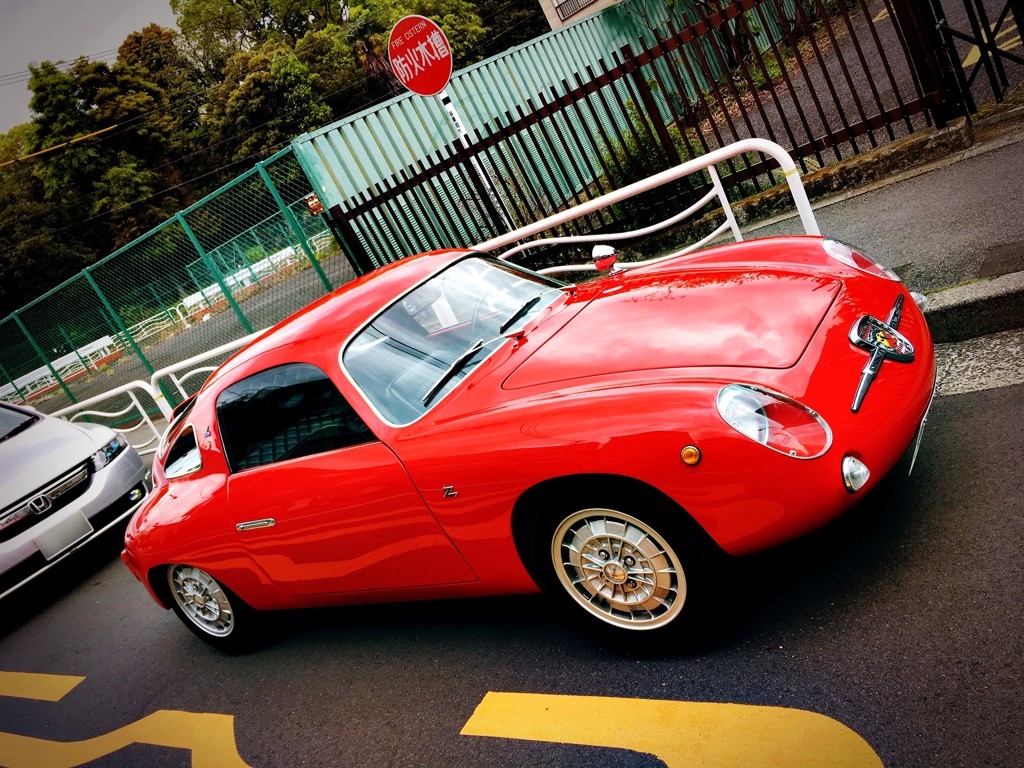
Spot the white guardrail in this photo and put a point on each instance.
(152, 391)
(705, 162)
(149, 438)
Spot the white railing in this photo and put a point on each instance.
(87, 359)
(150, 391)
(147, 443)
(704, 162)
(189, 365)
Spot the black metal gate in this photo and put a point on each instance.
(992, 32)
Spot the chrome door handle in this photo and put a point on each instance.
(267, 522)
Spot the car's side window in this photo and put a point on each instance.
(183, 457)
(283, 413)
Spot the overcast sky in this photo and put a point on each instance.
(32, 31)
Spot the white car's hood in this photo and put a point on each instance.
(41, 453)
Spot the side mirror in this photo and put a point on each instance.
(604, 257)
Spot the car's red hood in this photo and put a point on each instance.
(707, 318)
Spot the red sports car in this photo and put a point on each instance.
(452, 425)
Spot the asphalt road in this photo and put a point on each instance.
(902, 622)
(926, 226)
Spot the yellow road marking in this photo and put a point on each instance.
(29, 685)
(883, 15)
(681, 734)
(211, 738)
(1014, 42)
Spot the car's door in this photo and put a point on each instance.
(321, 504)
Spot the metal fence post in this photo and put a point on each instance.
(294, 225)
(346, 236)
(42, 356)
(217, 276)
(13, 383)
(73, 345)
(940, 86)
(161, 303)
(632, 65)
(116, 318)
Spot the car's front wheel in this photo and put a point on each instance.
(209, 609)
(634, 571)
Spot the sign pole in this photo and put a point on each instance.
(492, 193)
(421, 59)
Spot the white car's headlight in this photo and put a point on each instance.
(108, 452)
(774, 420)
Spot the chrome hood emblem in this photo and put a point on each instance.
(40, 504)
(875, 336)
(884, 342)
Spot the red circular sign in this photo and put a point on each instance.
(420, 56)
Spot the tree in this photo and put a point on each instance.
(62, 103)
(340, 79)
(215, 30)
(38, 249)
(267, 97)
(509, 24)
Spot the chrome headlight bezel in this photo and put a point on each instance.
(745, 408)
(852, 257)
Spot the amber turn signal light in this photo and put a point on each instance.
(690, 455)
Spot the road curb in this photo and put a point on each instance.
(977, 308)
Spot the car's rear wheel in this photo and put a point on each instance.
(635, 571)
(209, 609)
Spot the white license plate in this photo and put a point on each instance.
(920, 433)
(64, 534)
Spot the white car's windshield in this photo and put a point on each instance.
(419, 348)
(12, 422)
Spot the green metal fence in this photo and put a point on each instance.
(241, 259)
(252, 253)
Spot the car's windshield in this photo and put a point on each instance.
(419, 348)
(12, 422)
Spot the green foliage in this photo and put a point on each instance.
(38, 252)
(640, 154)
(268, 96)
(241, 79)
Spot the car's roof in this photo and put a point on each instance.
(346, 309)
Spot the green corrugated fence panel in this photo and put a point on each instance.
(348, 157)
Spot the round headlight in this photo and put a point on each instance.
(851, 257)
(742, 410)
(774, 420)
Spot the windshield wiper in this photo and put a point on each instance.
(523, 310)
(453, 368)
(466, 355)
(20, 427)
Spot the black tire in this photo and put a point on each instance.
(630, 565)
(210, 610)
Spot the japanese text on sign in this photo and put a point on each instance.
(420, 55)
(409, 64)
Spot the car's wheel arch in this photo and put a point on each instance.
(157, 577)
(534, 507)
